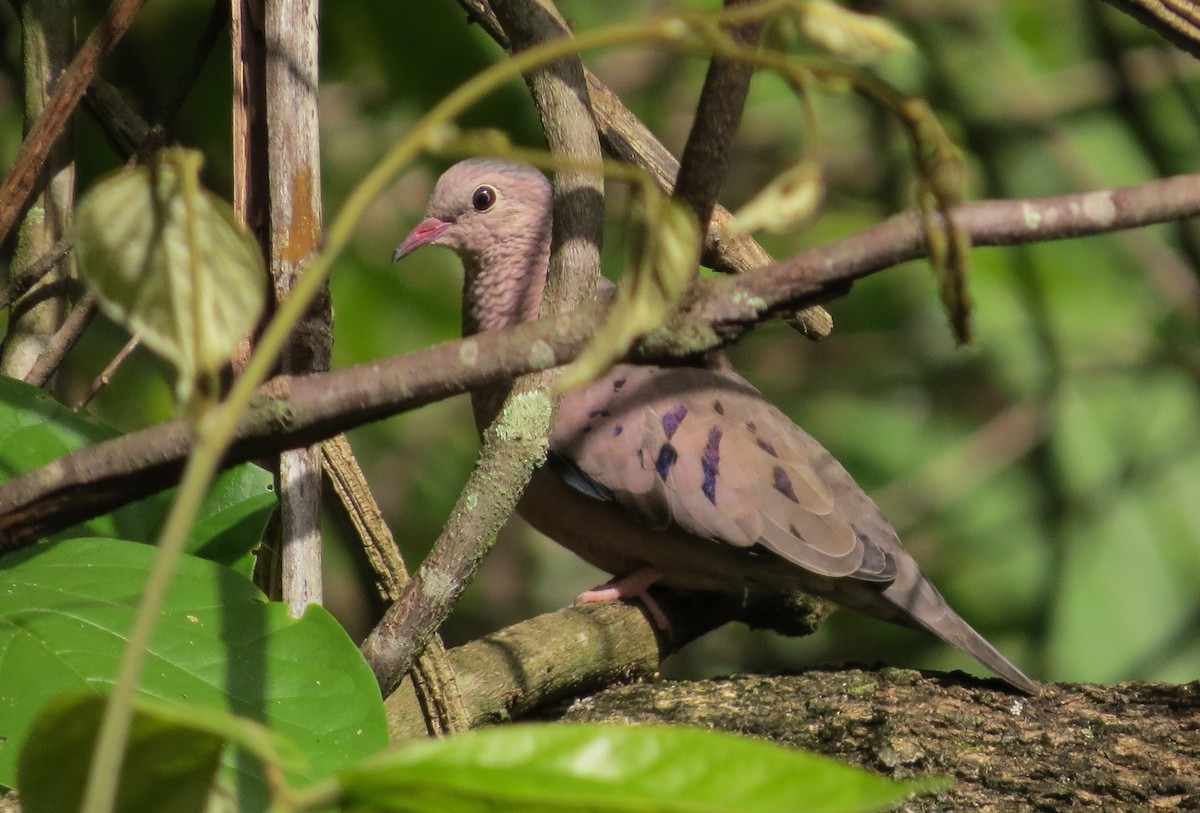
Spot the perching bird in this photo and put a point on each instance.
(680, 476)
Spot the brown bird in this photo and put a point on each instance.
(681, 476)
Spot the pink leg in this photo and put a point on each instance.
(634, 585)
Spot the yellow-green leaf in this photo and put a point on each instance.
(171, 262)
(863, 38)
(783, 204)
(669, 241)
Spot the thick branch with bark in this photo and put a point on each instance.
(1135, 746)
(293, 412)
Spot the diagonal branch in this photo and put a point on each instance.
(70, 89)
(515, 443)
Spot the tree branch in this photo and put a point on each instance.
(293, 412)
(718, 115)
(515, 443)
(68, 91)
(1077, 747)
(1177, 21)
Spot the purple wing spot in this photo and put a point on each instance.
(671, 421)
(750, 425)
(666, 459)
(783, 484)
(767, 447)
(710, 463)
(617, 430)
(718, 407)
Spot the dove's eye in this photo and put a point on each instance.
(484, 198)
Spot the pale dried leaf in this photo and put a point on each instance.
(647, 294)
(783, 204)
(862, 38)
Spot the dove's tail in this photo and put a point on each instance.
(922, 606)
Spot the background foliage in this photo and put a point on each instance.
(1045, 477)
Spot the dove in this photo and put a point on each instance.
(685, 477)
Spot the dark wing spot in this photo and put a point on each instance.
(767, 447)
(750, 425)
(617, 430)
(783, 484)
(718, 407)
(666, 459)
(710, 463)
(672, 419)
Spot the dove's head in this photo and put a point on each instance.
(496, 216)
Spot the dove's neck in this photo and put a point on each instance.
(504, 287)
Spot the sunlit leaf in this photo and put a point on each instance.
(667, 258)
(171, 262)
(862, 38)
(783, 204)
(578, 768)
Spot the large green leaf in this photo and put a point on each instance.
(65, 613)
(35, 429)
(569, 768)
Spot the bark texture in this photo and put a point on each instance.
(1130, 747)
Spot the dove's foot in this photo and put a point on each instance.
(634, 585)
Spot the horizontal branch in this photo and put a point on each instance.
(292, 412)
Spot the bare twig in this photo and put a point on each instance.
(101, 381)
(443, 711)
(293, 412)
(1177, 21)
(514, 445)
(1135, 111)
(718, 114)
(47, 44)
(70, 89)
(62, 341)
(25, 280)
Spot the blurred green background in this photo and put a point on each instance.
(1046, 477)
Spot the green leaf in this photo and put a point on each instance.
(171, 760)
(65, 613)
(565, 768)
(170, 261)
(35, 429)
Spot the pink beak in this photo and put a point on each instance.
(426, 232)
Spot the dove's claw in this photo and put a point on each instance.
(634, 585)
